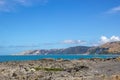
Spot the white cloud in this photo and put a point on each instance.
(73, 42)
(114, 10)
(105, 39)
(8, 5)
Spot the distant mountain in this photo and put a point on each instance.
(76, 50)
(71, 50)
(108, 48)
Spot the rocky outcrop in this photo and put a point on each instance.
(50, 69)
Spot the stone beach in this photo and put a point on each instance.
(50, 69)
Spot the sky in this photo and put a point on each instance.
(47, 24)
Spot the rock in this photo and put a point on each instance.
(115, 77)
(77, 68)
(14, 75)
(85, 69)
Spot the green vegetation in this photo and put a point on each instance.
(48, 69)
(38, 68)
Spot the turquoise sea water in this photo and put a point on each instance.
(5, 58)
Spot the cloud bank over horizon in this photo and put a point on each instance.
(73, 42)
(64, 42)
(102, 40)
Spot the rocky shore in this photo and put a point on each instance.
(50, 69)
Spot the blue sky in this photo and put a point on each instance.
(36, 24)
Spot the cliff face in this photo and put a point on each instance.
(108, 48)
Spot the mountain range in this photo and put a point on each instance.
(107, 48)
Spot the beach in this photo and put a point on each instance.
(50, 69)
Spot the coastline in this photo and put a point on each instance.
(6, 58)
(50, 69)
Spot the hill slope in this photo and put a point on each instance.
(108, 48)
(113, 47)
(71, 50)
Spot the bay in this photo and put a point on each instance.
(4, 58)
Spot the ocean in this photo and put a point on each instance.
(5, 58)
